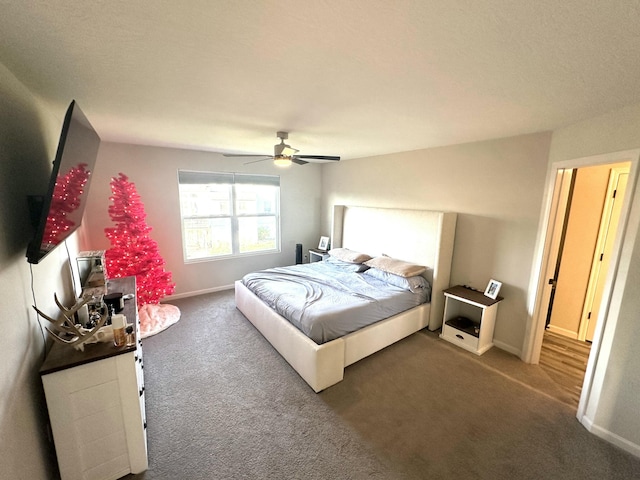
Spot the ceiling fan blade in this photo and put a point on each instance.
(319, 157)
(298, 161)
(260, 160)
(243, 155)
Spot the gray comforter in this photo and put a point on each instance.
(326, 302)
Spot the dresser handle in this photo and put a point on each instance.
(459, 336)
(141, 391)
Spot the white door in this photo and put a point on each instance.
(604, 247)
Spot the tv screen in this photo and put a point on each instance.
(59, 213)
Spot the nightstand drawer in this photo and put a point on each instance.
(459, 337)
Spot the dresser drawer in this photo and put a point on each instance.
(463, 339)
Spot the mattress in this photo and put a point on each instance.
(326, 302)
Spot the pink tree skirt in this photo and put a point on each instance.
(156, 318)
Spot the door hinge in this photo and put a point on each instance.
(589, 316)
(601, 256)
(614, 193)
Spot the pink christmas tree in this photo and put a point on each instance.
(132, 251)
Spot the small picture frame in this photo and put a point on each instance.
(324, 243)
(493, 288)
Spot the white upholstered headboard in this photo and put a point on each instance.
(419, 236)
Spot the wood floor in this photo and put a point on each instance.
(565, 360)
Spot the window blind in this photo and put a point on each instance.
(194, 177)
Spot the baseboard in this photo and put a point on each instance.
(197, 292)
(563, 331)
(507, 348)
(611, 437)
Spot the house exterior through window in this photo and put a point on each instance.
(228, 214)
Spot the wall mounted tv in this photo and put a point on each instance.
(59, 213)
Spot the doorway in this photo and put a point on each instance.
(546, 259)
(586, 221)
(586, 231)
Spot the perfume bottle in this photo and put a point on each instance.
(119, 323)
(130, 337)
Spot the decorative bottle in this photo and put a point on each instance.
(119, 323)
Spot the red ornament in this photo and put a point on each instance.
(132, 251)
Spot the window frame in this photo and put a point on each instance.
(232, 180)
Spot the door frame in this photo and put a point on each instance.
(558, 218)
(608, 315)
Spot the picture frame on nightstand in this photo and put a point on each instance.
(324, 244)
(493, 288)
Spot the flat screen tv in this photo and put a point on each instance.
(59, 213)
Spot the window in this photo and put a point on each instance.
(228, 214)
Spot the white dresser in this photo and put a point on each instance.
(96, 407)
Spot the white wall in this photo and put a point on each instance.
(29, 134)
(496, 187)
(154, 172)
(614, 405)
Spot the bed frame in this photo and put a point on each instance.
(418, 236)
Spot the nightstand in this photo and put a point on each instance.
(316, 255)
(469, 319)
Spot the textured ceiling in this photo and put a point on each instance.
(351, 78)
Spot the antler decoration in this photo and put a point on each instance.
(74, 335)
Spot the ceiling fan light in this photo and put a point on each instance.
(282, 161)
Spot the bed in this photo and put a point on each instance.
(418, 236)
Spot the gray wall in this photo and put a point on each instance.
(496, 188)
(154, 171)
(28, 138)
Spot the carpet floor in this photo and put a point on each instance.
(222, 404)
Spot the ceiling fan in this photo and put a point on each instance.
(284, 155)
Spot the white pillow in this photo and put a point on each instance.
(397, 267)
(350, 256)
